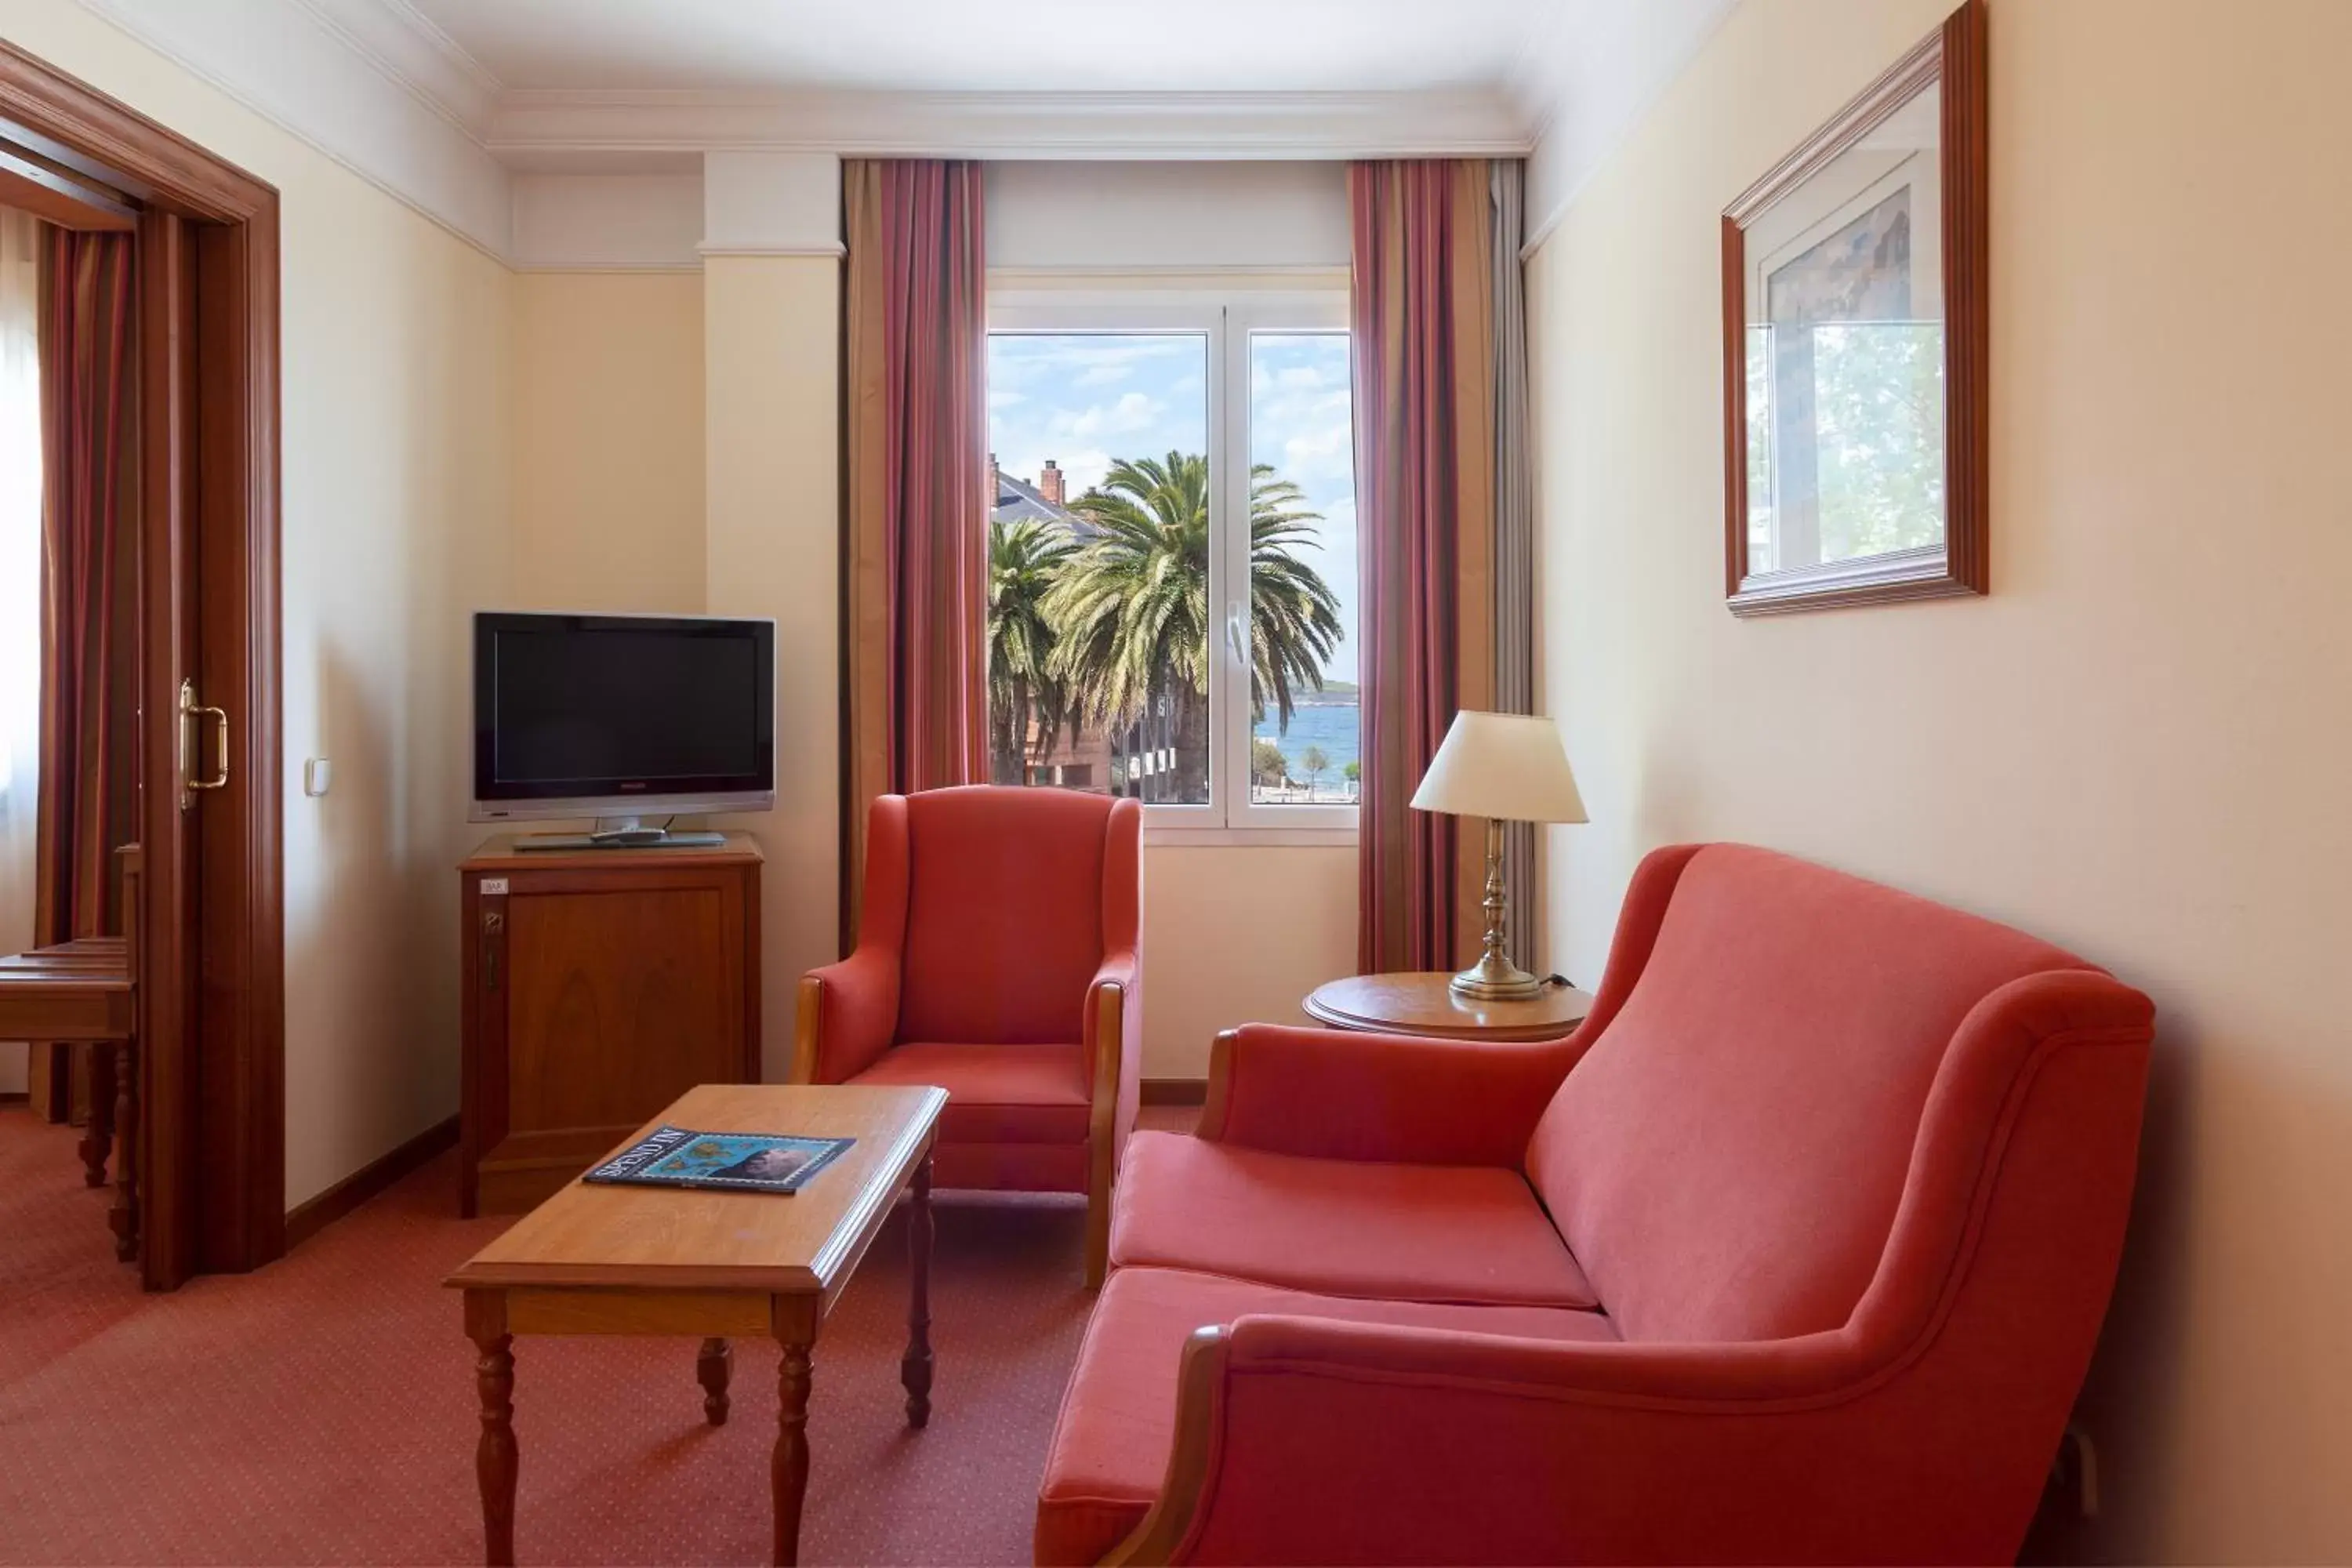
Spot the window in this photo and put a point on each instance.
(1172, 555)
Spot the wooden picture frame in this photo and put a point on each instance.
(1780, 557)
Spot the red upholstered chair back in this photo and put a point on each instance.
(1004, 914)
(1727, 1158)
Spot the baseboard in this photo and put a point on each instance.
(1175, 1091)
(313, 1215)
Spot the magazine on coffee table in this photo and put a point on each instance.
(735, 1162)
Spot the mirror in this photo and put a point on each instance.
(1855, 325)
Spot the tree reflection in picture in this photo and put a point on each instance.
(1854, 281)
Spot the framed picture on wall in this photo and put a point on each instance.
(1854, 344)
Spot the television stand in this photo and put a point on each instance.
(620, 833)
(598, 987)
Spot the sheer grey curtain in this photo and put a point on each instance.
(1514, 535)
(20, 593)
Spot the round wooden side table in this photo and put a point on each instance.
(1420, 1003)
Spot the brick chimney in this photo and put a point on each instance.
(1049, 483)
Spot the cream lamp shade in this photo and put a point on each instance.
(1506, 767)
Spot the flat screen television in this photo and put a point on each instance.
(622, 717)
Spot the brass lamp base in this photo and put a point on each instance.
(1494, 978)
(1491, 981)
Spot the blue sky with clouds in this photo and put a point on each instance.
(1085, 401)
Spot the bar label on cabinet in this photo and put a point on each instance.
(494, 886)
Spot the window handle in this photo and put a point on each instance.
(1236, 637)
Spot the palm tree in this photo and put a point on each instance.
(1131, 611)
(1023, 559)
(1294, 615)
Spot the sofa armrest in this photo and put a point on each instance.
(1337, 1096)
(1432, 1101)
(847, 1014)
(1311, 1441)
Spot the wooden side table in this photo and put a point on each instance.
(1419, 1003)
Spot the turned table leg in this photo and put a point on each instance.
(495, 1456)
(712, 1367)
(98, 1138)
(915, 1367)
(788, 1469)
(124, 1217)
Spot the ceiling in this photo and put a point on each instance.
(446, 103)
(997, 46)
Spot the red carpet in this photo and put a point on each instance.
(322, 1410)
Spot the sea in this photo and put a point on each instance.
(1330, 724)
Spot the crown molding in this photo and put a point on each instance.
(541, 126)
(815, 247)
(405, 45)
(1587, 78)
(337, 75)
(381, 89)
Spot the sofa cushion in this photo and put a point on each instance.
(1004, 927)
(1118, 1414)
(1727, 1158)
(1343, 1227)
(996, 1094)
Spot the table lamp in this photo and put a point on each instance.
(1504, 767)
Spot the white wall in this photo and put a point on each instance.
(609, 223)
(1113, 217)
(2135, 746)
(395, 425)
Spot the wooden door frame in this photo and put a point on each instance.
(212, 1135)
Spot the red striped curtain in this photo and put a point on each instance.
(917, 539)
(88, 583)
(1423, 319)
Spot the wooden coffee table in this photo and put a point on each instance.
(712, 1264)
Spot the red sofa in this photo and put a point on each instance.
(999, 956)
(1803, 1260)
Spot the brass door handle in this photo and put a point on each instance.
(190, 709)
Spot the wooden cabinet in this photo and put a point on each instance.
(599, 986)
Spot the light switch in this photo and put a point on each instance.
(316, 773)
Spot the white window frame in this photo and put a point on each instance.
(1226, 320)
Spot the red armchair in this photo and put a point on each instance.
(999, 957)
(1796, 1250)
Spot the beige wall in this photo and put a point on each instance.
(395, 506)
(2135, 746)
(608, 441)
(1237, 934)
(771, 331)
